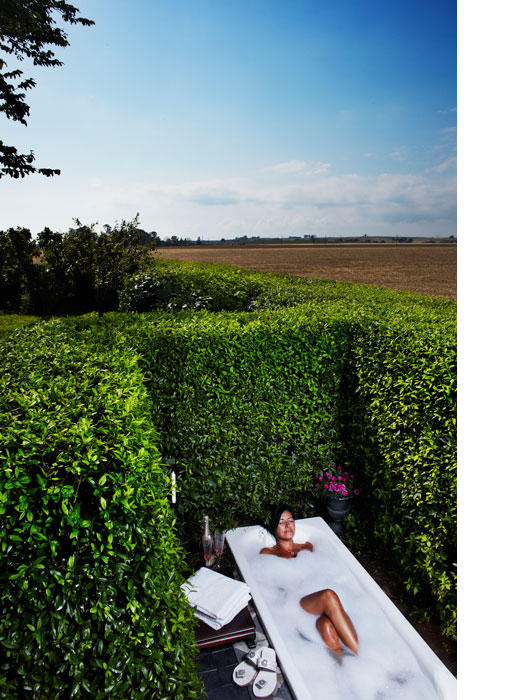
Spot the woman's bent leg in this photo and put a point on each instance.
(329, 634)
(326, 602)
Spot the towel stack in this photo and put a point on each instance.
(217, 598)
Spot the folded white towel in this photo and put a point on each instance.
(214, 594)
(218, 623)
(217, 598)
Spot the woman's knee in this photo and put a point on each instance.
(331, 597)
(325, 600)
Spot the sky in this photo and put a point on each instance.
(225, 118)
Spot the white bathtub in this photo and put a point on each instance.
(393, 662)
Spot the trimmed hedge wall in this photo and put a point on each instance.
(246, 405)
(91, 568)
(176, 285)
(401, 429)
(236, 417)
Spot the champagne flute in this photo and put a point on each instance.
(207, 545)
(219, 538)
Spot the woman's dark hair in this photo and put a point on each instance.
(276, 514)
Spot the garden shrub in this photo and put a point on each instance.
(91, 568)
(176, 286)
(245, 407)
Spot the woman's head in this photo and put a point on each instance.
(281, 522)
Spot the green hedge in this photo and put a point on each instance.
(10, 322)
(233, 391)
(400, 423)
(249, 406)
(245, 406)
(249, 403)
(91, 568)
(176, 285)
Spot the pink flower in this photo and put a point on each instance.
(340, 478)
(326, 486)
(356, 492)
(333, 478)
(352, 476)
(345, 492)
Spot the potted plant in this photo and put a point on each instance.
(338, 487)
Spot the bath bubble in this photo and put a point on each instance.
(385, 667)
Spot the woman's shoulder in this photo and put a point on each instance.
(268, 550)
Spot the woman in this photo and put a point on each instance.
(333, 623)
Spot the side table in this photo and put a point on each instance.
(242, 627)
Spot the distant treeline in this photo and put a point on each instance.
(295, 240)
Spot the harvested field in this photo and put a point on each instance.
(426, 268)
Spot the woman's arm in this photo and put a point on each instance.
(307, 545)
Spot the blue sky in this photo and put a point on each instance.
(222, 118)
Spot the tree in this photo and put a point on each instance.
(85, 270)
(118, 254)
(66, 279)
(27, 30)
(16, 268)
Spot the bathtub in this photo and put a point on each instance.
(393, 662)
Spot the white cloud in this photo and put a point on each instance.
(349, 204)
(450, 163)
(399, 154)
(358, 199)
(298, 167)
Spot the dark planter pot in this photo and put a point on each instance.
(337, 510)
